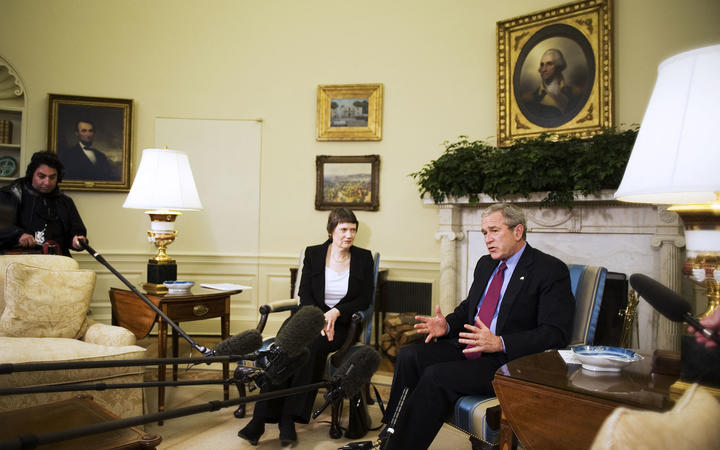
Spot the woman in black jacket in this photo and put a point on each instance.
(337, 277)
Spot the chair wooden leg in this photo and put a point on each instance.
(335, 431)
(240, 411)
(370, 398)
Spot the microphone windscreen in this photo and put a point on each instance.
(662, 298)
(240, 344)
(300, 329)
(279, 371)
(357, 370)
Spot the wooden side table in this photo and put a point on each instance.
(76, 412)
(129, 311)
(549, 404)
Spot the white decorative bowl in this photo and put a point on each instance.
(604, 358)
(179, 287)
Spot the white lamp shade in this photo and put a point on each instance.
(164, 180)
(676, 157)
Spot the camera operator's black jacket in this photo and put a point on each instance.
(24, 210)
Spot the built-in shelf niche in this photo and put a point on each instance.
(12, 110)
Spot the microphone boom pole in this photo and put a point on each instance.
(202, 349)
(106, 386)
(33, 440)
(7, 368)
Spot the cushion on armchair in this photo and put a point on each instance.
(692, 423)
(55, 262)
(110, 335)
(45, 302)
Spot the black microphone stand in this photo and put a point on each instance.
(106, 386)
(243, 374)
(33, 440)
(393, 421)
(7, 368)
(202, 349)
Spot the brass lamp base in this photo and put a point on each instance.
(157, 274)
(161, 268)
(155, 289)
(702, 228)
(162, 232)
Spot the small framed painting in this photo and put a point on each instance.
(350, 181)
(349, 112)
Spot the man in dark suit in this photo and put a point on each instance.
(520, 303)
(82, 162)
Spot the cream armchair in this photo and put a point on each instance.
(44, 301)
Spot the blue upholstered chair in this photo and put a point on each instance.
(588, 284)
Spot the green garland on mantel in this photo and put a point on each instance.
(560, 167)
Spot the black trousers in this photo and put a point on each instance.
(299, 406)
(436, 375)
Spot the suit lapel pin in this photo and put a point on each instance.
(522, 278)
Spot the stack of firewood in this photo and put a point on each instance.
(398, 332)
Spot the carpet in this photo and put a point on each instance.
(218, 430)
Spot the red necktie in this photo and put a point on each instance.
(489, 304)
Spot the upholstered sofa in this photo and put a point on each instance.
(44, 300)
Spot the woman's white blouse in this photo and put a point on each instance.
(336, 286)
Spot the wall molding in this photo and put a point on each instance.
(268, 275)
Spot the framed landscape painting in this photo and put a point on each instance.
(350, 181)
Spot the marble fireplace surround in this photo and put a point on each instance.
(623, 237)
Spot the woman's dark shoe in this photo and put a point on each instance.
(252, 431)
(288, 436)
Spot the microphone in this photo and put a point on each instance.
(289, 351)
(351, 376)
(239, 347)
(235, 345)
(240, 344)
(300, 330)
(84, 243)
(283, 366)
(668, 303)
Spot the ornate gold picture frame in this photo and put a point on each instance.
(349, 112)
(92, 136)
(350, 181)
(555, 72)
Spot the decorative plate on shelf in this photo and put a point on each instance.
(8, 166)
(605, 358)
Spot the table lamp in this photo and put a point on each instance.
(163, 186)
(675, 161)
(676, 157)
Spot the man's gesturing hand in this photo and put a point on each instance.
(434, 326)
(480, 339)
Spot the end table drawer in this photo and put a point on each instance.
(184, 312)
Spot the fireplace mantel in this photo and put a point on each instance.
(623, 237)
